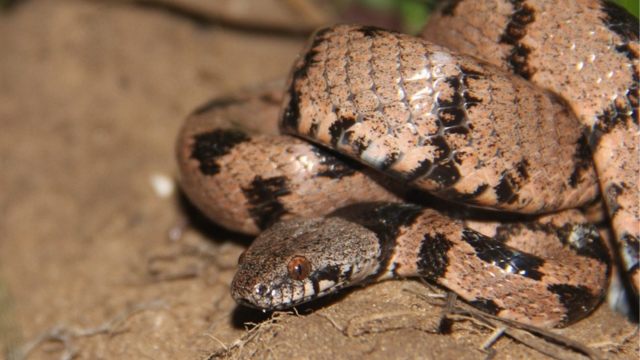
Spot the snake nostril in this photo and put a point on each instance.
(261, 289)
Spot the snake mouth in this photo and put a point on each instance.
(271, 298)
(280, 306)
(249, 304)
(269, 303)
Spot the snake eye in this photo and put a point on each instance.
(299, 268)
(241, 257)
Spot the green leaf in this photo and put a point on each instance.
(631, 5)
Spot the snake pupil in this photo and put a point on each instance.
(299, 268)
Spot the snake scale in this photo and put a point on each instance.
(530, 109)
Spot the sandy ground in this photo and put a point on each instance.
(99, 259)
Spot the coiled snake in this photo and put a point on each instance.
(514, 132)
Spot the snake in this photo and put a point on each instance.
(466, 156)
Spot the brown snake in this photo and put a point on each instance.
(458, 127)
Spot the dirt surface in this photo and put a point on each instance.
(100, 260)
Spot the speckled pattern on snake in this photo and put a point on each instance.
(531, 109)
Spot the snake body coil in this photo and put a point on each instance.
(451, 124)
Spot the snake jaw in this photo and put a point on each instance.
(278, 295)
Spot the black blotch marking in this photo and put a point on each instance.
(583, 239)
(452, 111)
(458, 130)
(452, 116)
(627, 50)
(445, 173)
(337, 166)
(450, 8)
(441, 170)
(614, 116)
(291, 113)
(316, 285)
(338, 127)
(505, 190)
(496, 253)
(472, 73)
(619, 20)
(440, 143)
(625, 25)
(417, 173)
(218, 103)
(358, 144)
(479, 190)
(456, 99)
(515, 31)
(389, 160)
(586, 241)
(433, 260)
(208, 147)
(453, 194)
(383, 219)
(369, 31)
(583, 161)
(488, 306)
(470, 100)
(373, 31)
(578, 301)
(331, 273)
(521, 168)
(617, 114)
(262, 195)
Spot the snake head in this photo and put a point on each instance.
(298, 260)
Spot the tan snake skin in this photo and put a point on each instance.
(543, 42)
(450, 124)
